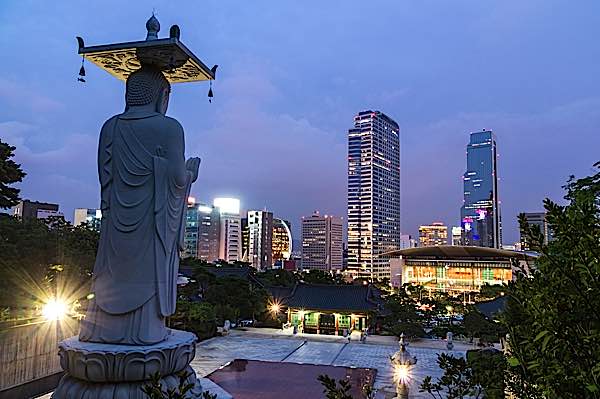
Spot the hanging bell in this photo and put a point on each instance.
(210, 93)
(82, 71)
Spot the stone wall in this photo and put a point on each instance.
(30, 352)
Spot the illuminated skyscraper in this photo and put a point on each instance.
(373, 194)
(433, 235)
(202, 231)
(480, 213)
(230, 235)
(260, 239)
(322, 246)
(282, 240)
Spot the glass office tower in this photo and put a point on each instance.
(373, 194)
(480, 214)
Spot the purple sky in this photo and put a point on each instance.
(291, 77)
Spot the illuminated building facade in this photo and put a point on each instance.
(260, 239)
(432, 235)
(536, 219)
(480, 214)
(202, 231)
(230, 233)
(456, 235)
(282, 240)
(373, 194)
(330, 309)
(92, 218)
(453, 269)
(322, 242)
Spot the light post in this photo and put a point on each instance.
(402, 362)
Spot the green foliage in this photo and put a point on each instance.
(335, 389)
(489, 292)
(41, 259)
(235, 298)
(457, 382)
(277, 278)
(477, 326)
(197, 317)
(10, 173)
(553, 314)
(410, 330)
(315, 276)
(154, 389)
(488, 371)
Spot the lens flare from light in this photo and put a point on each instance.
(54, 309)
(401, 374)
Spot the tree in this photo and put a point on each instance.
(335, 389)
(277, 278)
(315, 276)
(196, 317)
(488, 366)
(43, 258)
(457, 382)
(234, 297)
(10, 173)
(477, 326)
(553, 308)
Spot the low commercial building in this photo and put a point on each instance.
(331, 309)
(453, 268)
(27, 209)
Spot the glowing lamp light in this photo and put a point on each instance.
(401, 374)
(275, 308)
(54, 309)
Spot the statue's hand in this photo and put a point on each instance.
(192, 166)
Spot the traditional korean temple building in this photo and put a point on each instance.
(330, 309)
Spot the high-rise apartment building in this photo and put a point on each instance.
(92, 218)
(536, 219)
(322, 242)
(260, 239)
(480, 214)
(230, 234)
(433, 235)
(282, 240)
(373, 194)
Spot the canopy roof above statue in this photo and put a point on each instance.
(175, 60)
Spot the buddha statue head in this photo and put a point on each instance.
(147, 87)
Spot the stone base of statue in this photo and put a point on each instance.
(108, 371)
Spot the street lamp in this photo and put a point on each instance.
(402, 362)
(54, 309)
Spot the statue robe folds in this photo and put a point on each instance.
(143, 211)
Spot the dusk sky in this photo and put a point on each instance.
(291, 76)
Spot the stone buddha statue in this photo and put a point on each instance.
(145, 182)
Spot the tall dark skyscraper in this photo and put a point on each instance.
(373, 193)
(480, 214)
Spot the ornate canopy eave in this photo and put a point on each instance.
(176, 61)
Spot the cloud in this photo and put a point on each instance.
(11, 92)
(537, 153)
(271, 159)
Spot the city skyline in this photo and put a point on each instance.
(287, 116)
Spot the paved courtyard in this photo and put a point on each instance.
(270, 345)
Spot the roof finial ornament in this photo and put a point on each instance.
(153, 27)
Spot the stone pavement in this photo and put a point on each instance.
(326, 350)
